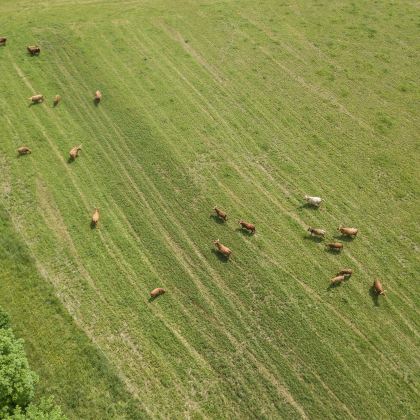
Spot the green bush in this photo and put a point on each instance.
(44, 410)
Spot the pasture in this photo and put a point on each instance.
(239, 104)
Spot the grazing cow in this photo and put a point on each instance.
(316, 232)
(36, 99)
(221, 214)
(345, 272)
(98, 96)
(224, 250)
(157, 292)
(335, 246)
(347, 231)
(95, 217)
(248, 226)
(74, 152)
(377, 285)
(2, 41)
(24, 150)
(57, 99)
(33, 49)
(337, 280)
(313, 201)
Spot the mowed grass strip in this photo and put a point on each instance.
(201, 108)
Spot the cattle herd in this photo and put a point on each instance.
(223, 250)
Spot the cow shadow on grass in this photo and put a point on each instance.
(333, 286)
(313, 238)
(374, 295)
(308, 207)
(220, 256)
(244, 232)
(70, 160)
(96, 102)
(333, 251)
(217, 219)
(93, 225)
(152, 298)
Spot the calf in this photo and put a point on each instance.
(95, 217)
(248, 226)
(337, 280)
(3, 41)
(24, 150)
(74, 152)
(347, 231)
(57, 99)
(33, 49)
(98, 96)
(377, 285)
(221, 214)
(345, 272)
(313, 201)
(157, 292)
(316, 232)
(224, 250)
(36, 99)
(335, 246)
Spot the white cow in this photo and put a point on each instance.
(313, 201)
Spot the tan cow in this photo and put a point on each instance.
(224, 250)
(348, 231)
(335, 246)
(95, 217)
(57, 99)
(345, 272)
(316, 231)
(337, 280)
(3, 41)
(98, 96)
(221, 214)
(74, 152)
(377, 285)
(248, 226)
(24, 150)
(157, 292)
(36, 99)
(33, 49)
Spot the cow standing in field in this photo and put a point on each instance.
(220, 214)
(335, 246)
(98, 96)
(345, 272)
(57, 99)
(74, 152)
(377, 285)
(348, 231)
(36, 99)
(224, 250)
(316, 232)
(24, 150)
(337, 280)
(248, 226)
(157, 292)
(33, 49)
(2, 41)
(313, 201)
(95, 217)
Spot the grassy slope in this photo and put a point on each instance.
(249, 107)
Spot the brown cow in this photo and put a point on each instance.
(224, 250)
(345, 272)
(221, 214)
(36, 99)
(157, 292)
(33, 49)
(74, 152)
(337, 280)
(377, 285)
(248, 226)
(3, 41)
(347, 231)
(335, 246)
(95, 217)
(98, 96)
(57, 99)
(316, 232)
(24, 150)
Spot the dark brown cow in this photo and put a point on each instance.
(74, 152)
(348, 231)
(95, 217)
(316, 231)
(337, 280)
(3, 41)
(221, 214)
(248, 226)
(224, 250)
(57, 99)
(33, 49)
(377, 285)
(345, 272)
(335, 246)
(24, 150)
(98, 96)
(157, 292)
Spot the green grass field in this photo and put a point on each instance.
(242, 104)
